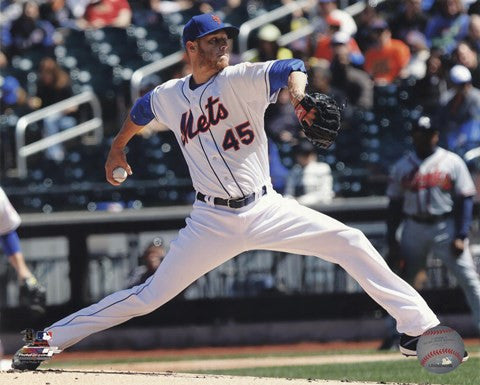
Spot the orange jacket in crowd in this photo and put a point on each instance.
(324, 48)
(385, 63)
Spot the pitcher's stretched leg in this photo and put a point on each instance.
(284, 225)
(208, 240)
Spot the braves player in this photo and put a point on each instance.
(216, 115)
(32, 294)
(432, 191)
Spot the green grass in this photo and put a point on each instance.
(408, 371)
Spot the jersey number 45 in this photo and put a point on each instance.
(241, 133)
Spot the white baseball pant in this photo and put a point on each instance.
(214, 235)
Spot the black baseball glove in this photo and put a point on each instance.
(325, 121)
(32, 296)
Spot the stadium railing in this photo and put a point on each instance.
(245, 30)
(95, 124)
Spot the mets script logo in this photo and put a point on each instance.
(216, 19)
(216, 111)
(233, 136)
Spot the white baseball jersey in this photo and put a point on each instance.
(429, 186)
(220, 128)
(9, 218)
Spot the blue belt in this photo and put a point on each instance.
(234, 203)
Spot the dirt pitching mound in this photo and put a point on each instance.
(78, 377)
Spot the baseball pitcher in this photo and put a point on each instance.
(217, 116)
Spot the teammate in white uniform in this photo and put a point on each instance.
(32, 294)
(217, 116)
(432, 190)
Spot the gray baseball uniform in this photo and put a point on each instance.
(429, 188)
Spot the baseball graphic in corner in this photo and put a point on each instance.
(440, 349)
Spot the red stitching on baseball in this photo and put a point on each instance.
(436, 332)
(439, 352)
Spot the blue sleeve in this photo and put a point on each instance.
(280, 70)
(463, 211)
(141, 113)
(10, 243)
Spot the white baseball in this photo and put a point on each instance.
(119, 174)
(440, 349)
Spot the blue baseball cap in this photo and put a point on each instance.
(205, 24)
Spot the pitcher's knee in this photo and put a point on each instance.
(356, 238)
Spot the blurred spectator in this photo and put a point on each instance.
(409, 18)
(236, 12)
(324, 50)
(27, 32)
(268, 48)
(328, 8)
(321, 81)
(309, 181)
(448, 27)
(278, 172)
(430, 89)
(386, 59)
(167, 7)
(466, 56)
(354, 82)
(143, 13)
(474, 32)
(10, 10)
(58, 14)
(54, 85)
(365, 20)
(107, 13)
(13, 97)
(460, 116)
(419, 54)
(474, 8)
(150, 259)
(281, 123)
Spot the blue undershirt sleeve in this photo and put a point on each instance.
(10, 243)
(141, 113)
(394, 217)
(280, 70)
(463, 211)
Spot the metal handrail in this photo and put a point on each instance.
(245, 30)
(258, 21)
(152, 68)
(306, 30)
(95, 124)
(471, 154)
(177, 57)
